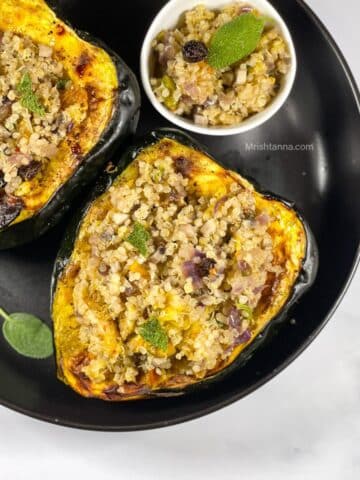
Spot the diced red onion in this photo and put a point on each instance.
(167, 54)
(239, 286)
(235, 321)
(243, 338)
(198, 268)
(234, 318)
(191, 89)
(244, 267)
(263, 219)
(240, 340)
(190, 271)
(246, 9)
(199, 254)
(259, 289)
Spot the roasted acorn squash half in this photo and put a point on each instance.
(70, 101)
(170, 272)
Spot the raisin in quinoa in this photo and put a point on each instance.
(194, 281)
(28, 139)
(211, 97)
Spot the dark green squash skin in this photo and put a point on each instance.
(122, 124)
(304, 282)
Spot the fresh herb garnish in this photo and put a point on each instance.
(139, 238)
(249, 313)
(61, 84)
(27, 334)
(28, 98)
(158, 174)
(170, 85)
(235, 40)
(152, 332)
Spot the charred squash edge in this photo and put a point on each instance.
(304, 281)
(122, 124)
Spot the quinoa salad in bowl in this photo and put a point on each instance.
(219, 70)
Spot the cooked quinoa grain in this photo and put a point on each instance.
(210, 97)
(160, 283)
(29, 137)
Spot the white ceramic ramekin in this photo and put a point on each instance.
(168, 18)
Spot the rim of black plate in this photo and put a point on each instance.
(236, 396)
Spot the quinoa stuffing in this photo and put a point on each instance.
(160, 283)
(186, 83)
(32, 121)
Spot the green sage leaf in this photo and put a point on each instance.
(138, 238)
(152, 332)
(235, 40)
(28, 98)
(27, 334)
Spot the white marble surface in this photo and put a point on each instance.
(304, 425)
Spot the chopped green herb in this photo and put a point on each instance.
(152, 332)
(28, 98)
(61, 84)
(27, 334)
(220, 324)
(158, 174)
(170, 85)
(235, 40)
(249, 313)
(139, 238)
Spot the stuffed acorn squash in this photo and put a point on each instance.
(65, 102)
(173, 269)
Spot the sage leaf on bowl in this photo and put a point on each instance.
(27, 334)
(235, 40)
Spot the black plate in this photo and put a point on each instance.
(323, 110)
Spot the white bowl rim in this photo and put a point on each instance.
(167, 18)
